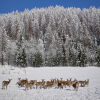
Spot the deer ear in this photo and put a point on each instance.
(87, 79)
(19, 78)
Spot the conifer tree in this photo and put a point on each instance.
(81, 58)
(21, 59)
(21, 54)
(3, 44)
(38, 61)
(63, 60)
(72, 60)
(23, 62)
(98, 57)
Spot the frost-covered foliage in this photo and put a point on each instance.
(62, 36)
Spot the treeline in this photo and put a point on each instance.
(53, 36)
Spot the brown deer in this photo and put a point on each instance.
(60, 85)
(69, 82)
(75, 85)
(5, 84)
(22, 82)
(64, 83)
(82, 83)
(86, 82)
(49, 84)
(29, 84)
(40, 84)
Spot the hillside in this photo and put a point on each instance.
(53, 36)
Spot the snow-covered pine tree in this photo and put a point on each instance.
(63, 58)
(81, 58)
(3, 45)
(38, 60)
(21, 54)
(97, 58)
(23, 60)
(72, 58)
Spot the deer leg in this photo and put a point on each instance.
(36, 86)
(2, 87)
(6, 87)
(25, 88)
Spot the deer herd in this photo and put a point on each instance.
(59, 83)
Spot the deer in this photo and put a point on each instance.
(49, 83)
(32, 81)
(5, 84)
(22, 82)
(40, 84)
(82, 83)
(60, 85)
(64, 83)
(29, 84)
(75, 85)
(69, 82)
(74, 81)
(86, 82)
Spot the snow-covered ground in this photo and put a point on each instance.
(91, 92)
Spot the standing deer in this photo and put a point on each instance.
(5, 84)
(29, 84)
(75, 85)
(86, 82)
(22, 82)
(40, 84)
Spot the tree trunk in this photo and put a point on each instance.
(8, 58)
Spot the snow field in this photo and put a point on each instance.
(13, 92)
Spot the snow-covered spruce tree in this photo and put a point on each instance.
(21, 59)
(81, 59)
(3, 45)
(56, 60)
(23, 62)
(97, 58)
(63, 58)
(8, 26)
(72, 58)
(21, 54)
(38, 60)
(18, 59)
(15, 28)
(11, 51)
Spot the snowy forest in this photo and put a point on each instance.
(53, 36)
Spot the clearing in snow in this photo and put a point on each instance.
(13, 92)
